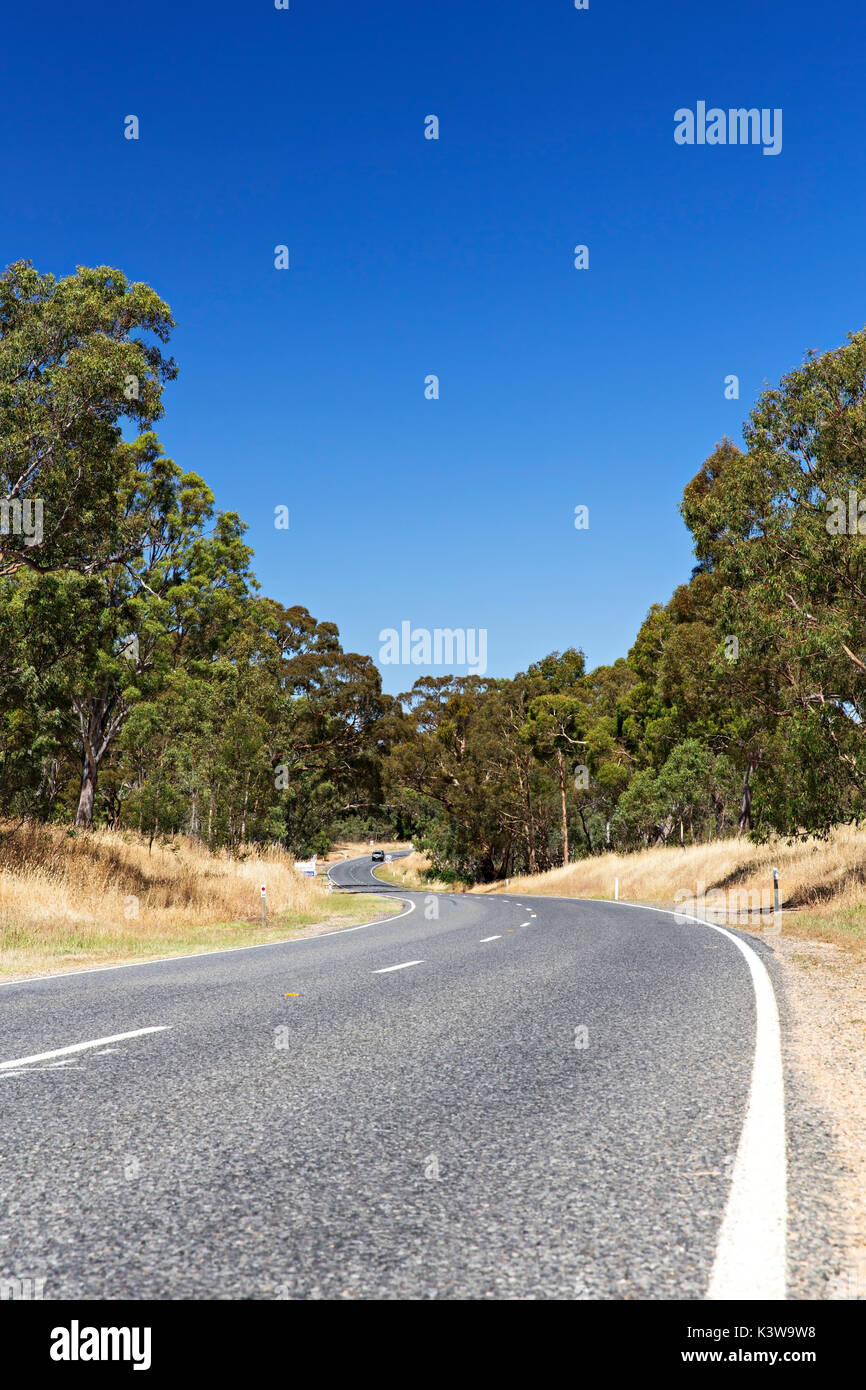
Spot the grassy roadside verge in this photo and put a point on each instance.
(80, 950)
(73, 902)
(410, 873)
(823, 883)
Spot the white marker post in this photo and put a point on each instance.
(777, 905)
(264, 905)
(616, 890)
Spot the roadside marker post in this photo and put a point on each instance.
(616, 890)
(264, 905)
(777, 905)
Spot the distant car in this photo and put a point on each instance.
(378, 856)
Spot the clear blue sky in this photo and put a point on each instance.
(409, 257)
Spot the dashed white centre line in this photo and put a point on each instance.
(524, 924)
(490, 938)
(405, 966)
(80, 1047)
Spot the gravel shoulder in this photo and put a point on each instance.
(823, 1006)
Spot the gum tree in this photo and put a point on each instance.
(769, 524)
(78, 357)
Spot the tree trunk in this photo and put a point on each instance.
(564, 809)
(528, 826)
(87, 794)
(745, 821)
(98, 725)
(585, 831)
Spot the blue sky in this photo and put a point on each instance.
(411, 257)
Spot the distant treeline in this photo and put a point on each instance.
(146, 684)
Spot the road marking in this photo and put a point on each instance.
(751, 1255)
(490, 938)
(524, 924)
(81, 1047)
(405, 966)
(31, 1071)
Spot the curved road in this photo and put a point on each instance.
(483, 1097)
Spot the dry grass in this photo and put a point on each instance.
(410, 873)
(85, 899)
(821, 881)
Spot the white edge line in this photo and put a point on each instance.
(201, 955)
(81, 1047)
(751, 1254)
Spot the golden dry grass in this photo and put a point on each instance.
(88, 898)
(821, 881)
(409, 872)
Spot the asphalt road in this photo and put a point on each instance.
(480, 1098)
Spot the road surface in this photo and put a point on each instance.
(483, 1097)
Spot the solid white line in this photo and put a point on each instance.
(404, 966)
(344, 931)
(222, 951)
(751, 1255)
(81, 1047)
(490, 938)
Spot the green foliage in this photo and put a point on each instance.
(145, 682)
